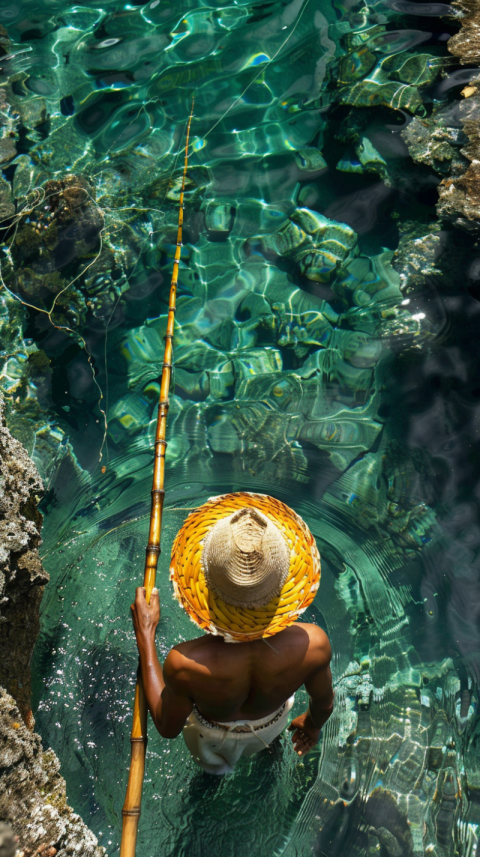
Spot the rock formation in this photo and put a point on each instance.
(460, 195)
(32, 791)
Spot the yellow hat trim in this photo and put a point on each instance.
(207, 609)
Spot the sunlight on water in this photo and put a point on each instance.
(323, 354)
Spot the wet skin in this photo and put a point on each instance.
(234, 681)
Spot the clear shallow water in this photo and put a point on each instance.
(325, 353)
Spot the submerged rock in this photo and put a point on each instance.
(310, 159)
(434, 143)
(355, 65)
(7, 209)
(318, 245)
(416, 69)
(8, 120)
(366, 159)
(417, 255)
(372, 92)
(466, 43)
(63, 227)
(460, 196)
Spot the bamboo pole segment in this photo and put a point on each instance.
(138, 738)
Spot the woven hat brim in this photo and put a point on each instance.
(207, 609)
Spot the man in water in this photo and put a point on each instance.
(243, 566)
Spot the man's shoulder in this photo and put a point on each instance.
(319, 644)
(182, 661)
(177, 667)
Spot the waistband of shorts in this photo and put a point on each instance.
(239, 726)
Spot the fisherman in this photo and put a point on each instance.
(244, 566)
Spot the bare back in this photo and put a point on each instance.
(229, 681)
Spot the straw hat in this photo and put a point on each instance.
(244, 566)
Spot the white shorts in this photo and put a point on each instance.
(218, 749)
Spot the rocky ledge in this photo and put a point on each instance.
(459, 196)
(32, 792)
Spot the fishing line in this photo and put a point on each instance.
(262, 71)
(152, 232)
(181, 151)
(29, 207)
(41, 196)
(75, 333)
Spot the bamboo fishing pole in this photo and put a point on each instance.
(138, 738)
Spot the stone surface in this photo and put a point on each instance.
(32, 791)
(466, 43)
(22, 576)
(459, 197)
(7, 841)
(431, 142)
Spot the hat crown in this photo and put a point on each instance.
(246, 558)
(248, 529)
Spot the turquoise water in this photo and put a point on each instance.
(325, 352)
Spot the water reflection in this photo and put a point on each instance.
(325, 352)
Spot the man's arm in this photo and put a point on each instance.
(168, 704)
(320, 690)
(307, 727)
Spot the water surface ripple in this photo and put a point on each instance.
(325, 353)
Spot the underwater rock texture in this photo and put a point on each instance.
(7, 841)
(430, 142)
(22, 574)
(466, 43)
(460, 196)
(32, 791)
